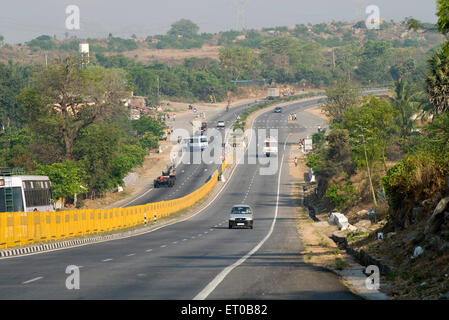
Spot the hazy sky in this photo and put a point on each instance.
(23, 20)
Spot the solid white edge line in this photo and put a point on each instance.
(315, 100)
(137, 198)
(222, 275)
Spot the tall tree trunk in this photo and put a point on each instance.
(369, 174)
(68, 141)
(384, 160)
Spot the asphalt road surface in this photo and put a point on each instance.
(190, 177)
(199, 258)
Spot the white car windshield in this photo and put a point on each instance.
(241, 210)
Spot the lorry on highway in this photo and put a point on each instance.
(166, 179)
(270, 146)
(273, 93)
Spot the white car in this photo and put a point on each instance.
(221, 124)
(241, 216)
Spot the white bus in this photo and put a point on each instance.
(270, 146)
(25, 194)
(195, 143)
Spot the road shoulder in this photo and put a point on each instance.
(318, 248)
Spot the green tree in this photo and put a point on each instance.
(67, 178)
(374, 59)
(406, 103)
(280, 55)
(147, 124)
(13, 78)
(371, 127)
(413, 24)
(239, 62)
(98, 161)
(438, 80)
(340, 97)
(66, 99)
(144, 81)
(185, 28)
(443, 16)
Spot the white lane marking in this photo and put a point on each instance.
(163, 246)
(313, 103)
(184, 239)
(149, 250)
(222, 275)
(106, 260)
(32, 280)
(131, 254)
(175, 242)
(134, 200)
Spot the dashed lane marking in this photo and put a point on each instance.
(32, 280)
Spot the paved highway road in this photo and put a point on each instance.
(199, 258)
(190, 177)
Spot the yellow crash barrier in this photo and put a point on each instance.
(22, 228)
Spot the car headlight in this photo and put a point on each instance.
(231, 219)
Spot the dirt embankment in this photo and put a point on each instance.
(318, 112)
(171, 56)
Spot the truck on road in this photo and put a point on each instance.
(168, 178)
(273, 93)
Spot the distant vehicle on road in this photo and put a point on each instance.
(241, 216)
(25, 194)
(221, 124)
(199, 142)
(270, 146)
(278, 110)
(273, 93)
(203, 127)
(167, 179)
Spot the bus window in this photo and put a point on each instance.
(38, 196)
(17, 200)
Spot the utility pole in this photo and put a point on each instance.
(240, 5)
(333, 59)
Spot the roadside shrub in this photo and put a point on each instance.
(341, 195)
(416, 178)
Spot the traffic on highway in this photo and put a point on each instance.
(224, 160)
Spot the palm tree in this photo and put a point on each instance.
(438, 80)
(407, 104)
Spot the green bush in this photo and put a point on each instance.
(149, 141)
(341, 196)
(416, 178)
(67, 178)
